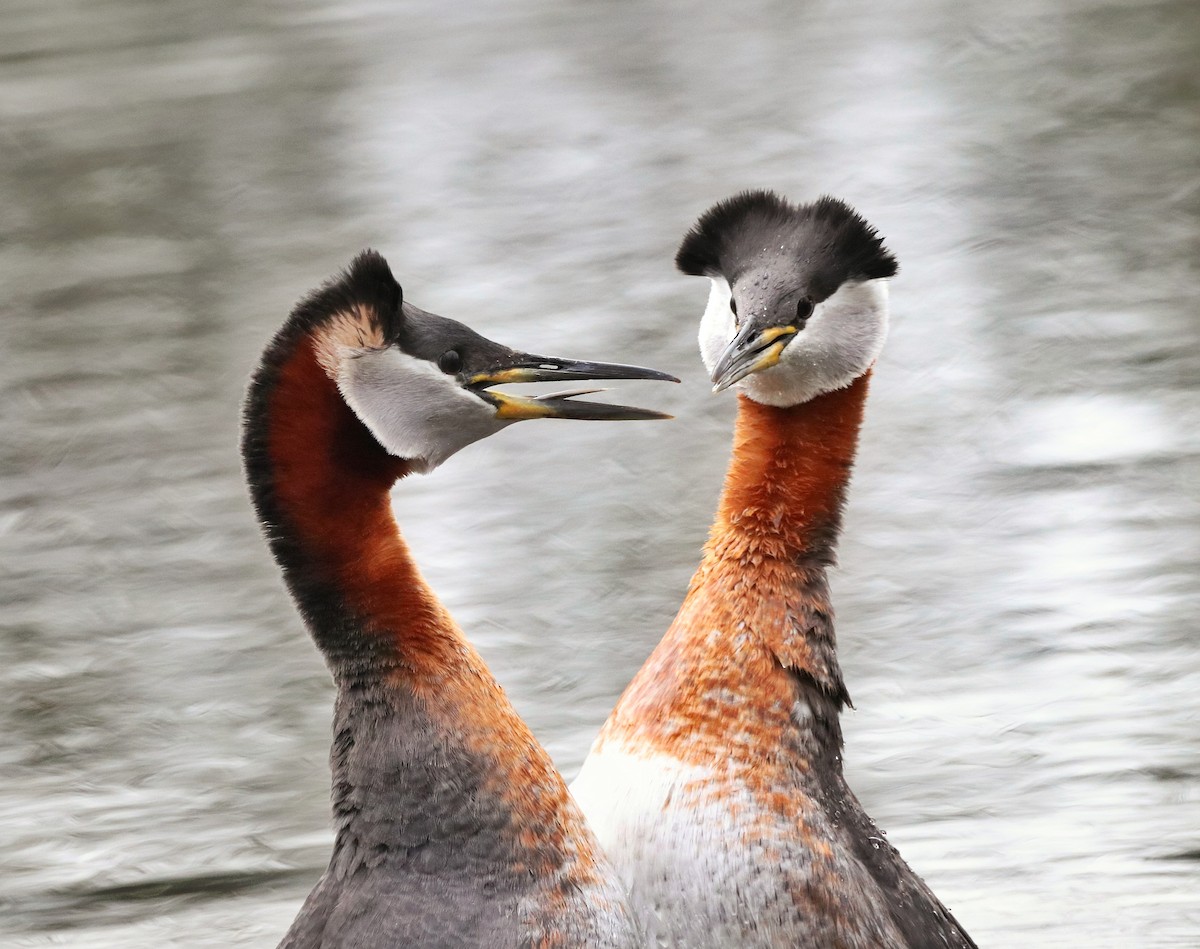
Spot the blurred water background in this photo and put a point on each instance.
(1018, 591)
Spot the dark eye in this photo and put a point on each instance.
(450, 361)
(804, 309)
(733, 306)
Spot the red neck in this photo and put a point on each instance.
(321, 483)
(757, 612)
(328, 482)
(788, 476)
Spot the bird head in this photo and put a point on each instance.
(798, 304)
(422, 383)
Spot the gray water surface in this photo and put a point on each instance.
(1018, 589)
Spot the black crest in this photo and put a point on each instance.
(367, 284)
(828, 234)
(726, 226)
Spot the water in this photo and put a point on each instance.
(1018, 584)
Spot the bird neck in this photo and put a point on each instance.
(777, 527)
(787, 478)
(423, 734)
(755, 632)
(321, 485)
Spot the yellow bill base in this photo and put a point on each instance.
(768, 358)
(514, 408)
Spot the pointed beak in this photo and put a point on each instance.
(751, 351)
(561, 404)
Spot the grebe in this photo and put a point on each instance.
(716, 784)
(453, 827)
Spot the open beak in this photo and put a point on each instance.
(561, 404)
(751, 351)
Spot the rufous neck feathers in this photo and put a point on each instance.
(788, 476)
(321, 483)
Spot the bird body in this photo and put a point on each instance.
(716, 784)
(453, 828)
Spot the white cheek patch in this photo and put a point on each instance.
(840, 342)
(717, 325)
(414, 410)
